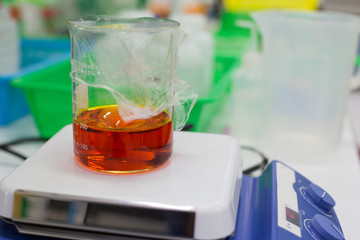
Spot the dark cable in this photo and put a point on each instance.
(6, 147)
(24, 140)
(188, 127)
(261, 166)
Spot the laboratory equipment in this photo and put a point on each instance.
(247, 114)
(282, 204)
(200, 194)
(308, 60)
(198, 187)
(33, 22)
(9, 43)
(125, 90)
(196, 53)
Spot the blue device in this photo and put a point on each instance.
(281, 204)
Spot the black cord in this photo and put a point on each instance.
(261, 166)
(188, 127)
(6, 147)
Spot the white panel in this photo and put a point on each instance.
(288, 209)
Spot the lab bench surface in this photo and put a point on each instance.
(339, 175)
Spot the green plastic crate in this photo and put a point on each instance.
(231, 40)
(48, 93)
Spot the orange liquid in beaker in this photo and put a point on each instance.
(104, 142)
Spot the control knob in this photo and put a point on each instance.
(325, 228)
(320, 198)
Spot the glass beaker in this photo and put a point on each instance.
(124, 92)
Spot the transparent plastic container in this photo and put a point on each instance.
(9, 43)
(196, 54)
(308, 61)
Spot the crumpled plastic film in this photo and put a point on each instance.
(185, 99)
(137, 67)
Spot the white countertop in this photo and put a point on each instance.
(339, 176)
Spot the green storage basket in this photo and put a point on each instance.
(48, 93)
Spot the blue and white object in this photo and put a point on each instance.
(282, 204)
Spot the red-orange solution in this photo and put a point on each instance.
(104, 142)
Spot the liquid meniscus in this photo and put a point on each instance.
(104, 142)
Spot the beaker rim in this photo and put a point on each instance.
(111, 23)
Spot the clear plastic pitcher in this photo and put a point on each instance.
(125, 91)
(308, 60)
